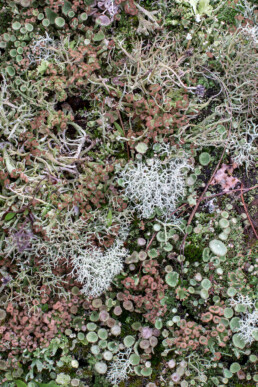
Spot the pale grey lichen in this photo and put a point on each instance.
(155, 186)
(243, 148)
(248, 322)
(120, 367)
(96, 269)
(243, 300)
(248, 327)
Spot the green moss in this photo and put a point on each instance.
(193, 253)
(127, 319)
(245, 385)
(100, 381)
(5, 20)
(228, 15)
(133, 382)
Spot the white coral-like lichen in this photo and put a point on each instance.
(243, 300)
(244, 149)
(247, 327)
(70, 243)
(120, 367)
(43, 48)
(96, 269)
(248, 322)
(157, 185)
(14, 117)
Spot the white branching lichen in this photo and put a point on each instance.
(246, 9)
(156, 186)
(243, 148)
(120, 367)
(96, 269)
(248, 326)
(13, 117)
(72, 244)
(248, 322)
(242, 300)
(43, 48)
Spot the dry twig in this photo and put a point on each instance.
(247, 213)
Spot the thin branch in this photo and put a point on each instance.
(150, 242)
(247, 213)
(122, 124)
(200, 199)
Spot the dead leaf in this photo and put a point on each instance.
(224, 177)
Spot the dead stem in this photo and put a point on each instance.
(246, 211)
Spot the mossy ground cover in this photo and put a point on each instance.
(128, 193)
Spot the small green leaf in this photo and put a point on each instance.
(227, 373)
(8, 162)
(204, 7)
(204, 294)
(109, 218)
(45, 210)
(39, 365)
(134, 359)
(20, 383)
(9, 216)
(120, 182)
(172, 279)
(10, 71)
(59, 22)
(51, 15)
(99, 36)
(66, 7)
(254, 333)
(238, 341)
(234, 323)
(41, 69)
(16, 25)
(118, 127)
(193, 4)
(206, 284)
(44, 308)
(141, 147)
(204, 158)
